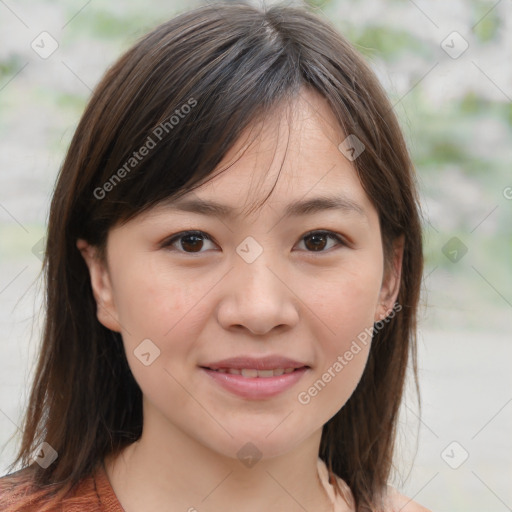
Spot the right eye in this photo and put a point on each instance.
(188, 241)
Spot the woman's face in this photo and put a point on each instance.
(284, 281)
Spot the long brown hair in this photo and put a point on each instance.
(229, 64)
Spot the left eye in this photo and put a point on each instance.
(318, 239)
(192, 241)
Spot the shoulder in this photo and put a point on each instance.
(399, 502)
(19, 493)
(20, 482)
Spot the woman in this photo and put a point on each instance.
(205, 350)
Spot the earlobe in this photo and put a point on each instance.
(391, 282)
(101, 286)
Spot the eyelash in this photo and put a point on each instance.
(175, 238)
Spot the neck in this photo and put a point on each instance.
(168, 470)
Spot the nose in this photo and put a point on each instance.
(258, 297)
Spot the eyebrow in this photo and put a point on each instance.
(299, 208)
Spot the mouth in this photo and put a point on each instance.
(254, 384)
(251, 373)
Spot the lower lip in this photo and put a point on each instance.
(256, 387)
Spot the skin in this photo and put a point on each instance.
(199, 307)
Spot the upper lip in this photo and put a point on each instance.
(258, 363)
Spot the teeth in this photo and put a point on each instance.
(262, 373)
(252, 372)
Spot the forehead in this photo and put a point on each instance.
(291, 153)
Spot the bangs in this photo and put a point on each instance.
(186, 112)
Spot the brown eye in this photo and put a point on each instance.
(192, 243)
(188, 241)
(317, 241)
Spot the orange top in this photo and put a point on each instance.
(92, 494)
(95, 494)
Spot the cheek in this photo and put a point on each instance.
(152, 300)
(346, 307)
(156, 306)
(156, 302)
(347, 300)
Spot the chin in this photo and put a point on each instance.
(265, 444)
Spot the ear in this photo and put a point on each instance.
(391, 280)
(101, 286)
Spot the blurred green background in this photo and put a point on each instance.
(456, 113)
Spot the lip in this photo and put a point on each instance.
(258, 363)
(256, 388)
